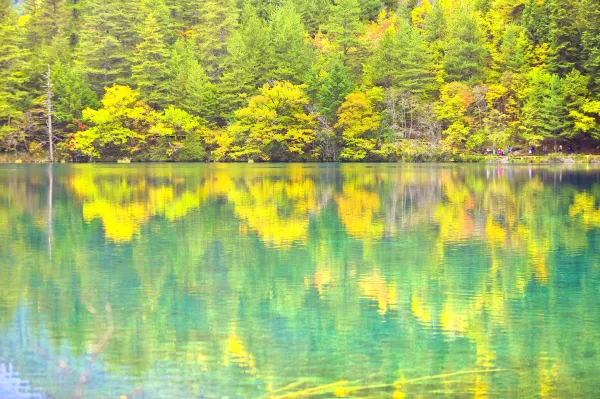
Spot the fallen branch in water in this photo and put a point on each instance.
(283, 389)
(311, 391)
(349, 389)
(110, 329)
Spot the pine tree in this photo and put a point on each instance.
(564, 36)
(369, 9)
(45, 20)
(248, 62)
(315, 13)
(465, 56)
(75, 10)
(190, 87)
(161, 11)
(553, 116)
(45, 17)
(331, 93)
(535, 20)
(345, 27)
(514, 49)
(71, 93)
(402, 60)
(217, 20)
(14, 67)
(544, 113)
(149, 71)
(292, 55)
(99, 53)
(590, 41)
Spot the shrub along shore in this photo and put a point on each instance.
(423, 158)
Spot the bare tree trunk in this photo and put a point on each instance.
(49, 112)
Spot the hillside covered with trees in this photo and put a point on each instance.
(296, 80)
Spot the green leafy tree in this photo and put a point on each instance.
(168, 26)
(564, 36)
(315, 13)
(514, 49)
(45, 18)
(535, 20)
(544, 113)
(369, 9)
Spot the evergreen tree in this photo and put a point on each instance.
(45, 17)
(544, 111)
(150, 64)
(14, 68)
(535, 20)
(402, 60)
(100, 54)
(465, 56)
(345, 27)
(332, 91)
(190, 87)
(292, 55)
(217, 20)
(247, 64)
(315, 13)
(369, 9)
(471, 70)
(75, 10)
(71, 93)
(590, 41)
(513, 50)
(564, 36)
(162, 13)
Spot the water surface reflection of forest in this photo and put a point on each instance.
(174, 280)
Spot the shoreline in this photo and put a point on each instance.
(549, 159)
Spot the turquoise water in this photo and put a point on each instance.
(248, 281)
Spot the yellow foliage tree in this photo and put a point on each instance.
(275, 126)
(360, 126)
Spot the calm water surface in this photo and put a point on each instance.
(248, 281)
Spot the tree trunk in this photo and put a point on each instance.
(49, 112)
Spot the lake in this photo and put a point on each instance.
(299, 280)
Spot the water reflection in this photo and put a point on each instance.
(363, 280)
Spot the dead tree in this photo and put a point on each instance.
(49, 115)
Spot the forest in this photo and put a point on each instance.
(295, 80)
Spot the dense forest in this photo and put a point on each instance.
(295, 80)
